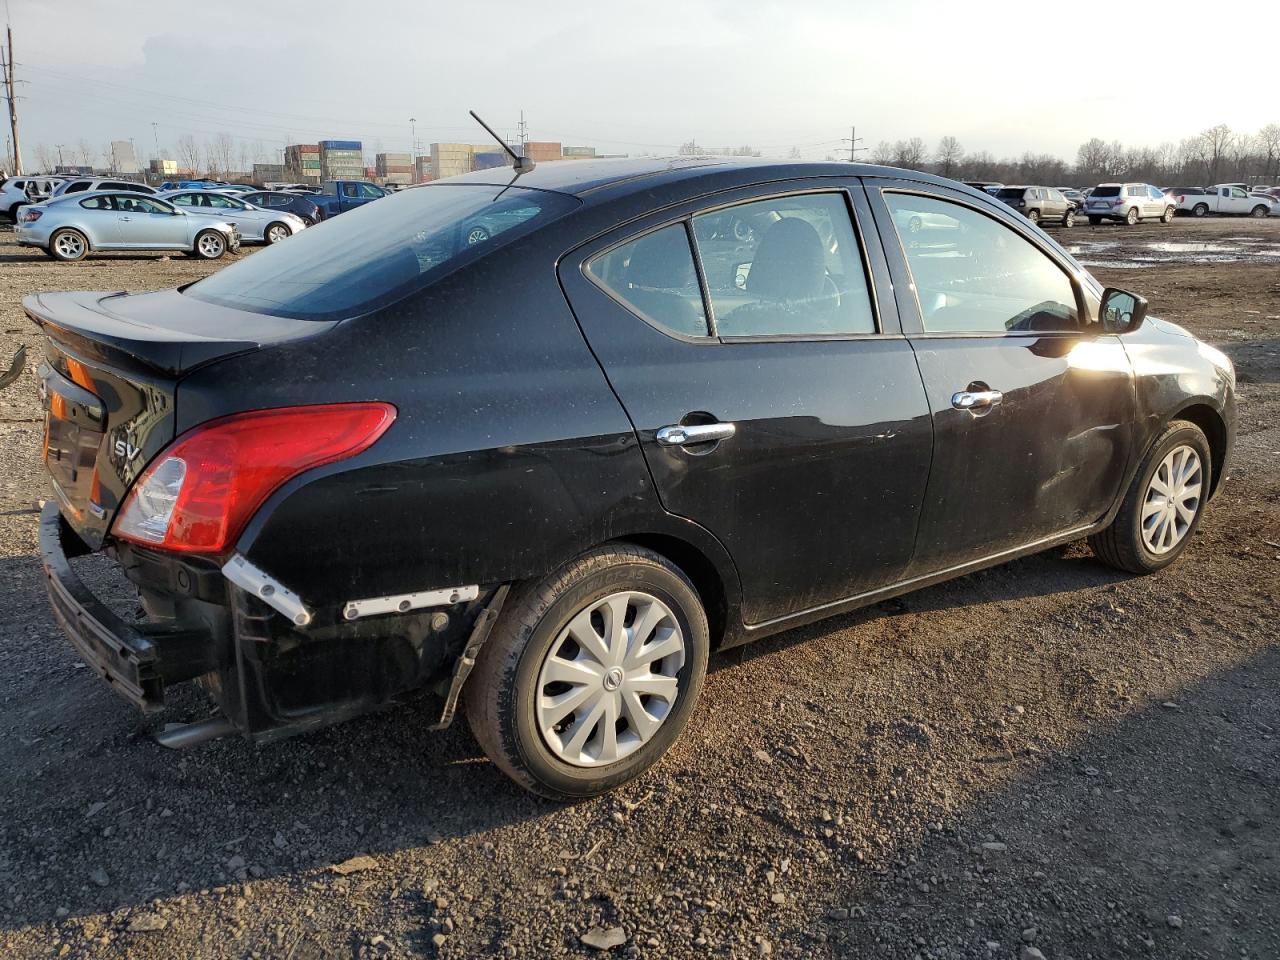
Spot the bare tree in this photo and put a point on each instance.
(84, 152)
(794, 154)
(221, 151)
(44, 157)
(1217, 142)
(1268, 141)
(188, 153)
(909, 153)
(949, 155)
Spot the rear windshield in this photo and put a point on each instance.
(1105, 192)
(1011, 193)
(380, 252)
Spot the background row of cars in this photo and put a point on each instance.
(1133, 202)
(68, 219)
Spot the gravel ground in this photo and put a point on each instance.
(1047, 756)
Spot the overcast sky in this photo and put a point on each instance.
(641, 76)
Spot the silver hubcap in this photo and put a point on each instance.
(70, 245)
(210, 245)
(277, 234)
(609, 681)
(1173, 498)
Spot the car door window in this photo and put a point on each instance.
(184, 200)
(788, 266)
(98, 203)
(1238, 194)
(973, 274)
(144, 205)
(350, 190)
(655, 276)
(223, 203)
(369, 192)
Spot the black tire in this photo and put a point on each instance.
(205, 249)
(1069, 219)
(1168, 214)
(16, 211)
(276, 227)
(1261, 210)
(500, 698)
(1094, 221)
(1131, 218)
(1033, 215)
(1200, 210)
(1121, 545)
(68, 245)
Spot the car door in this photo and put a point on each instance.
(753, 340)
(146, 224)
(98, 216)
(1239, 200)
(1032, 408)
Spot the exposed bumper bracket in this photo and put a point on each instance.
(267, 589)
(462, 668)
(403, 603)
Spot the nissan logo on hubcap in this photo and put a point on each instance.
(613, 679)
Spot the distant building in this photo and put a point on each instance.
(422, 169)
(268, 172)
(163, 168)
(394, 167)
(123, 158)
(578, 153)
(452, 159)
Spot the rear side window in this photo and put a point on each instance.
(380, 252)
(1105, 192)
(77, 187)
(1010, 193)
(98, 203)
(972, 274)
(655, 276)
(789, 266)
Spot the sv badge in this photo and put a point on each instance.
(125, 449)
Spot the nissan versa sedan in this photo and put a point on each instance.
(71, 226)
(663, 408)
(254, 223)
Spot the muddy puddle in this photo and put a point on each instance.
(1225, 250)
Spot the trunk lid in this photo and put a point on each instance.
(109, 384)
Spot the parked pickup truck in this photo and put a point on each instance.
(1224, 199)
(339, 196)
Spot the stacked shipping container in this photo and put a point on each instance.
(342, 160)
(302, 160)
(394, 167)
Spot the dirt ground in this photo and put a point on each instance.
(1045, 756)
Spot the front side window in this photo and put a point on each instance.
(655, 276)
(224, 203)
(788, 266)
(380, 252)
(184, 200)
(369, 191)
(973, 274)
(1237, 193)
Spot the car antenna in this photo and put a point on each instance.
(518, 163)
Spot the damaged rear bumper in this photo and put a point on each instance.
(132, 658)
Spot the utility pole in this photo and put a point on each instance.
(11, 95)
(59, 146)
(155, 132)
(524, 132)
(853, 140)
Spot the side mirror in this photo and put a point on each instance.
(1122, 311)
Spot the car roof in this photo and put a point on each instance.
(585, 178)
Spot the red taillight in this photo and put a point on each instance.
(31, 216)
(197, 495)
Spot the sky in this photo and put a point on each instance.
(639, 77)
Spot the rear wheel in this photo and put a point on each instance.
(1132, 216)
(1261, 210)
(1163, 505)
(16, 211)
(68, 245)
(276, 232)
(1200, 210)
(209, 245)
(1033, 216)
(591, 673)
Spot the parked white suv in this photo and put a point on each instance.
(1128, 203)
(17, 192)
(84, 184)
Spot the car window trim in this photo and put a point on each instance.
(707, 306)
(1077, 284)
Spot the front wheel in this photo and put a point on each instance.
(1163, 505)
(276, 232)
(1168, 215)
(1261, 210)
(1132, 216)
(210, 245)
(1069, 218)
(591, 673)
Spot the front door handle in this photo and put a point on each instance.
(679, 434)
(126, 219)
(976, 399)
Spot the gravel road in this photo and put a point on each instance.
(1048, 756)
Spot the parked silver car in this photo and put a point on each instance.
(1129, 203)
(256, 224)
(69, 227)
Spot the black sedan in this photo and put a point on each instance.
(662, 408)
(291, 202)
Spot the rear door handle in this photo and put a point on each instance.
(126, 219)
(679, 435)
(976, 399)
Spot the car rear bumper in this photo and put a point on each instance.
(135, 659)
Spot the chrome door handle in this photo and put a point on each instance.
(126, 219)
(679, 435)
(976, 399)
